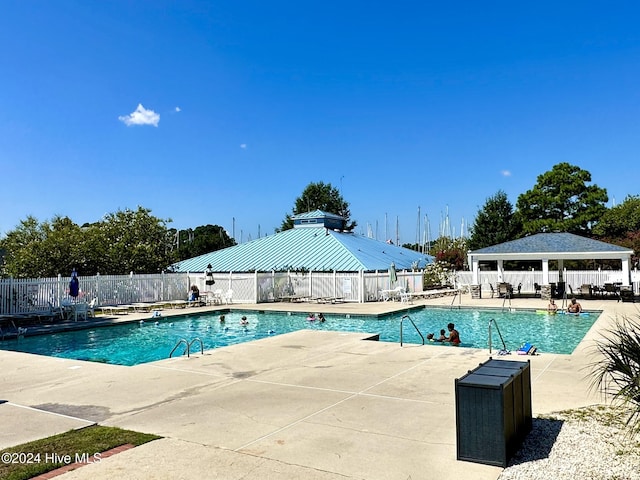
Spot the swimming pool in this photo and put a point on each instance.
(151, 340)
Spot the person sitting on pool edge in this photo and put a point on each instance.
(574, 306)
(454, 336)
(552, 307)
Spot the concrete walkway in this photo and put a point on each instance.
(309, 404)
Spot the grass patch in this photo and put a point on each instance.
(35, 458)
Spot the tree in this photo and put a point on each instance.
(621, 225)
(494, 223)
(201, 240)
(621, 219)
(561, 201)
(132, 241)
(35, 249)
(320, 196)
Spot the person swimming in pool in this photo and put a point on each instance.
(244, 321)
(442, 336)
(321, 318)
(552, 307)
(221, 318)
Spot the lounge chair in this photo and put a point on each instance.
(493, 292)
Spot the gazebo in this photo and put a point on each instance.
(550, 246)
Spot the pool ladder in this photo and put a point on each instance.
(414, 326)
(504, 346)
(188, 346)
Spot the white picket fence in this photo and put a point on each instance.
(42, 294)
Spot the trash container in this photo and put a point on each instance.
(493, 411)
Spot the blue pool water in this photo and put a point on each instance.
(135, 343)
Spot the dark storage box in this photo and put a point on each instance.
(493, 411)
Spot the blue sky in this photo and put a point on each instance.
(210, 111)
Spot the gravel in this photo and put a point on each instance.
(589, 443)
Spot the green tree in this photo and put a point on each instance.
(620, 225)
(320, 196)
(201, 240)
(133, 241)
(561, 201)
(621, 219)
(495, 223)
(44, 249)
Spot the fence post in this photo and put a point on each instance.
(59, 290)
(98, 301)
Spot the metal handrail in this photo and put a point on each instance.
(457, 294)
(414, 326)
(180, 342)
(201, 345)
(188, 346)
(493, 322)
(507, 296)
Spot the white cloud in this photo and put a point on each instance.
(243, 146)
(506, 173)
(178, 109)
(141, 116)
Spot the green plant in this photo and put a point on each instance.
(617, 373)
(437, 274)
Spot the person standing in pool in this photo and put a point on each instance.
(321, 318)
(574, 306)
(552, 307)
(454, 336)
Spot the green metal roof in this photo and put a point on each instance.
(314, 249)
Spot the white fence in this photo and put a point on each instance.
(528, 279)
(34, 295)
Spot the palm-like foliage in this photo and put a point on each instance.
(617, 373)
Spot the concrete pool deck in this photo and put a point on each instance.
(309, 404)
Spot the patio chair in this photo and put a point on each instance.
(611, 290)
(537, 290)
(585, 290)
(91, 308)
(80, 311)
(228, 297)
(493, 292)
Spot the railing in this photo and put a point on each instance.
(188, 346)
(458, 295)
(504, 346)
(414, 326)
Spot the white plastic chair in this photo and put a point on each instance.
(228, 297)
